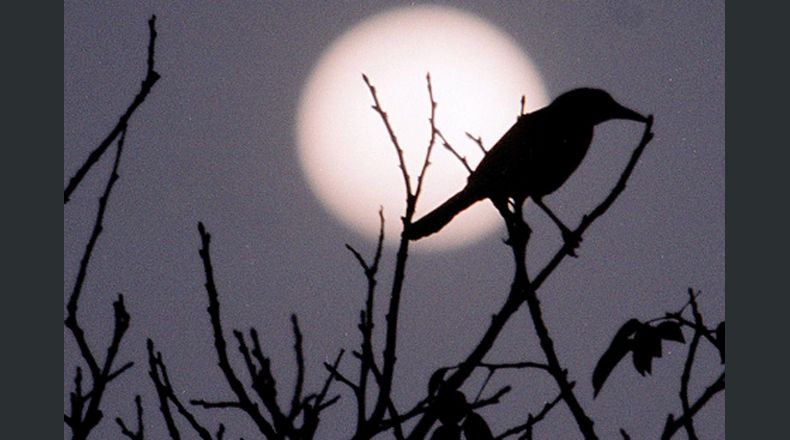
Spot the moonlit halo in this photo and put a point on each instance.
(479, 75)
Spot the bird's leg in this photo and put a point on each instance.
(511, 212)
(571, 239)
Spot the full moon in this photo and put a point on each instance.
(479, 75)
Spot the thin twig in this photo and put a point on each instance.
(72, 305)
(477, 140)
(319, 398)
(81, 423)
(155, 369)
(507, 366)
(389, 358)
(366, 357)
(266, 387)
(212, 405)
(431, 141)
(221, 346)
(340, 377)
(493, 400)
(452, 150)
(532, 420)
(685, 377)
(519, 233)
(151, 78)
(401, 160)
(547, 344)
(133, 435)
(170, 394)
(299, 351)
(673, 425)
(599, 210)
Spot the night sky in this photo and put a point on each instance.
(215, 142)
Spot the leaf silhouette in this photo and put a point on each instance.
(436, 380)
(476, 428)
(670, 330)
(620, 346)
(646, 346)
(447, 432)
(642, 360)
(451, 407)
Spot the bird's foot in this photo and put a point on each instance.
(572, 241)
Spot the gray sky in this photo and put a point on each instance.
(215, 142)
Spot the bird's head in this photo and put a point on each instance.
(593, 106)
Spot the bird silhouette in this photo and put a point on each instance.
(534, 158)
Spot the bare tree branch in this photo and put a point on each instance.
(478, 140)
(366, 324)
(452, 150)
(340, 378)
(384, 118)
(151, 78)
(685, 377)
(673, 425)
(81, 423)
(158, 373)
(212, 405)
(532, 420)
(431, 141)
(522, 289)
(599, 210)
(221, 346)
(299, 351)
(133, 435)
(493, 400)
(389, 357)
(155, 371)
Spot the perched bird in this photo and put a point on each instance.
(533, 159)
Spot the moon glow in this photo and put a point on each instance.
(479, 75)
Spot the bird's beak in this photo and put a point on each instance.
(621, 112)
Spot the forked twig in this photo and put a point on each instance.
(151, 78)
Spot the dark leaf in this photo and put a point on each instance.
(451, 407)
(476, 428)
(646, 345)
(447, 432)
(650, 337)
(436, 380)
(620, 346)
(720, 340)
(670, 330)
(642, 360)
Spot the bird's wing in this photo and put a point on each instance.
(516, 147)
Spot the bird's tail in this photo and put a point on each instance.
(439, 217)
